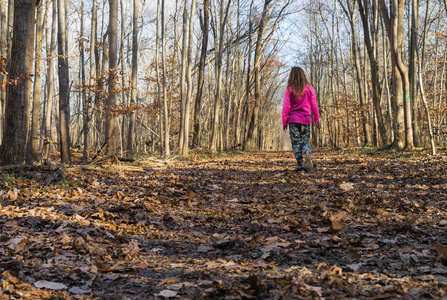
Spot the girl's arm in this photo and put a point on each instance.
(286, 107)
(314, 106)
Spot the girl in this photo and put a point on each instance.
(299, 103)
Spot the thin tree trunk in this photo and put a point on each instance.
(133, 96)
(427, 111)
(257, 58)
(413, 71)
(165, 94)
(35, 136)
(157, 67)
(64, 102)
(185, 145)
(113, 60)
(92, 75)
(50, 87)
(4, 53)
(17, 113)
(183, 74)
(201, 75)
(218, 61)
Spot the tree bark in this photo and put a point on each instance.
(35, 136)
(64, 93)
(257, 59)
(113, 61)
(17, 112)
(165, 93)
(3, 53)
(201, 76)
(185, 145)
(413, 70)
(133, 96)
(183, 74)
(374, 69)
(219, 37)
(91, 87)
(159, 89)
(397, 84)
(50, 87)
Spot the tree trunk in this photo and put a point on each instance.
(396, 46)
(64, 93)
(50, 87)
(257, 60)
(35, 136)
(201, 79)
(397, 84)
(17, 113)
(219, 37)
(165, 94)
(185, 145)
(183, 74)
(413, 71)
(133, 96)
(90, 82)
(157, 67)
(3, 53)
(374, 70)
(113, 61)
(427, 110)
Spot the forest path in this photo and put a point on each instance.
(237, 227)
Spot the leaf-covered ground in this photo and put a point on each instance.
(235, 227)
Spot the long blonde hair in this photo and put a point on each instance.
(297, 80)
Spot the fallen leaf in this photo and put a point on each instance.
(166, 280)
(50, 285)
(347, 186)
(167, 294)
(336, 226)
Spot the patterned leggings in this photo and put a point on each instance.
(299, 136)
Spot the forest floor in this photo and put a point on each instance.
(360, 225)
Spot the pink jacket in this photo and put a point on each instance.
(296, 110)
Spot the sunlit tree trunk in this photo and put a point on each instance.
(257, 60)
(17, 112)
(201, 76)
(220, 22)
(159, 89)
(64, 88)
(113, 61)
(397, 82)
(90, 82)
(165, 93)
(413, 70)
(35, 136)
(183, 73)
(50, 87)
(186, 115)
(133, 96)
(374, 66)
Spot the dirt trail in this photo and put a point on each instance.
(242, 227)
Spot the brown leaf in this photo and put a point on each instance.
(167, 280)
(189, 193)
(336, 226)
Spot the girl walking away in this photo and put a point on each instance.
(299, 104)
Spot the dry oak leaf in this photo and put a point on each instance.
(50, 285)
(347, 186)
(166, 280)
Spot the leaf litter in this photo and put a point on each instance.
(241, 227)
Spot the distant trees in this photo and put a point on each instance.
(210, 74)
